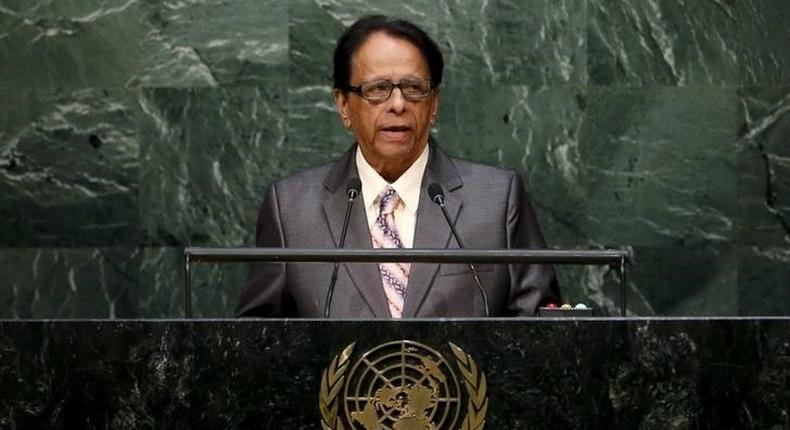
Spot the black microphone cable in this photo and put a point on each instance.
(437, 196)
(352, 191)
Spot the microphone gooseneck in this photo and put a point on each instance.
(436, 194)
(352, 191)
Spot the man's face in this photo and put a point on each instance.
(391, 134)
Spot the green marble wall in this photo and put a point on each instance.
(132, 128)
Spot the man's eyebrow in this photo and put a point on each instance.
(389, 78)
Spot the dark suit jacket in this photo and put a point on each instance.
(490, 208)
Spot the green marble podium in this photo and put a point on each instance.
(654, 373)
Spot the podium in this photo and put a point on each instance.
(268, 374)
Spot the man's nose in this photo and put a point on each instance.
(396, 101)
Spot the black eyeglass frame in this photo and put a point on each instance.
(358, 90)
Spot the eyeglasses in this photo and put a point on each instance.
(378, 91)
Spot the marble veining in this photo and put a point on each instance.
(593, 373)
(132, 128)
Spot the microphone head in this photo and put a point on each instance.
(352, 187)
(436, 193)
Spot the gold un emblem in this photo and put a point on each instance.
(402, 385)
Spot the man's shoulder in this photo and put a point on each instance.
(305, 177)
(473, 170)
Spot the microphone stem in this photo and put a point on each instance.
(345, 221)
(461, 245)
(336, 267)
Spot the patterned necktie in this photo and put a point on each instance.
(394, 276)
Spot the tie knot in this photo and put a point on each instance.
(388, 199)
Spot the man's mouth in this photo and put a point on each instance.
(396, 129)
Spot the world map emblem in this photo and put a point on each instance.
(403, 385)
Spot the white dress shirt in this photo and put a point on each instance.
(408, 188)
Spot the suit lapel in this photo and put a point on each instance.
(431, 230)
(364, 276)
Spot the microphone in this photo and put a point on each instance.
(437, 196)
(352, 191)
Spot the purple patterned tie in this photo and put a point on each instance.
(394, 276)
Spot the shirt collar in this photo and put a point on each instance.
(407, 185)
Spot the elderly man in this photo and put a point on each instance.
(386, 76)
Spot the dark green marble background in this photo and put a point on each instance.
(132, 128)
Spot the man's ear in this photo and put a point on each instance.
(341, 100)
(435, 110)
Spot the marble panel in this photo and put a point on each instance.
(215, 42)
(216, 288)
(70, 283)
(764, 42)
(535, 132)
(665, 281)
(157, 398)
(646, 42)
(538, 43)
(162, 274)
(205, 162)
(692, 280)
(503, 42)
(71, 43)
(641, 373)
(659, 166)
(311, 41)
(315, 132)
(763, 217)
(69, 167)
(695, 180)
(143, 43)
(315, 26)
(112, 283)
(763, 281)
(598, 287)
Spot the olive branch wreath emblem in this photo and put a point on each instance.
(475, 382)
(331, 382)
(334, 376)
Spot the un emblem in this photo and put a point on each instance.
(402, 385)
